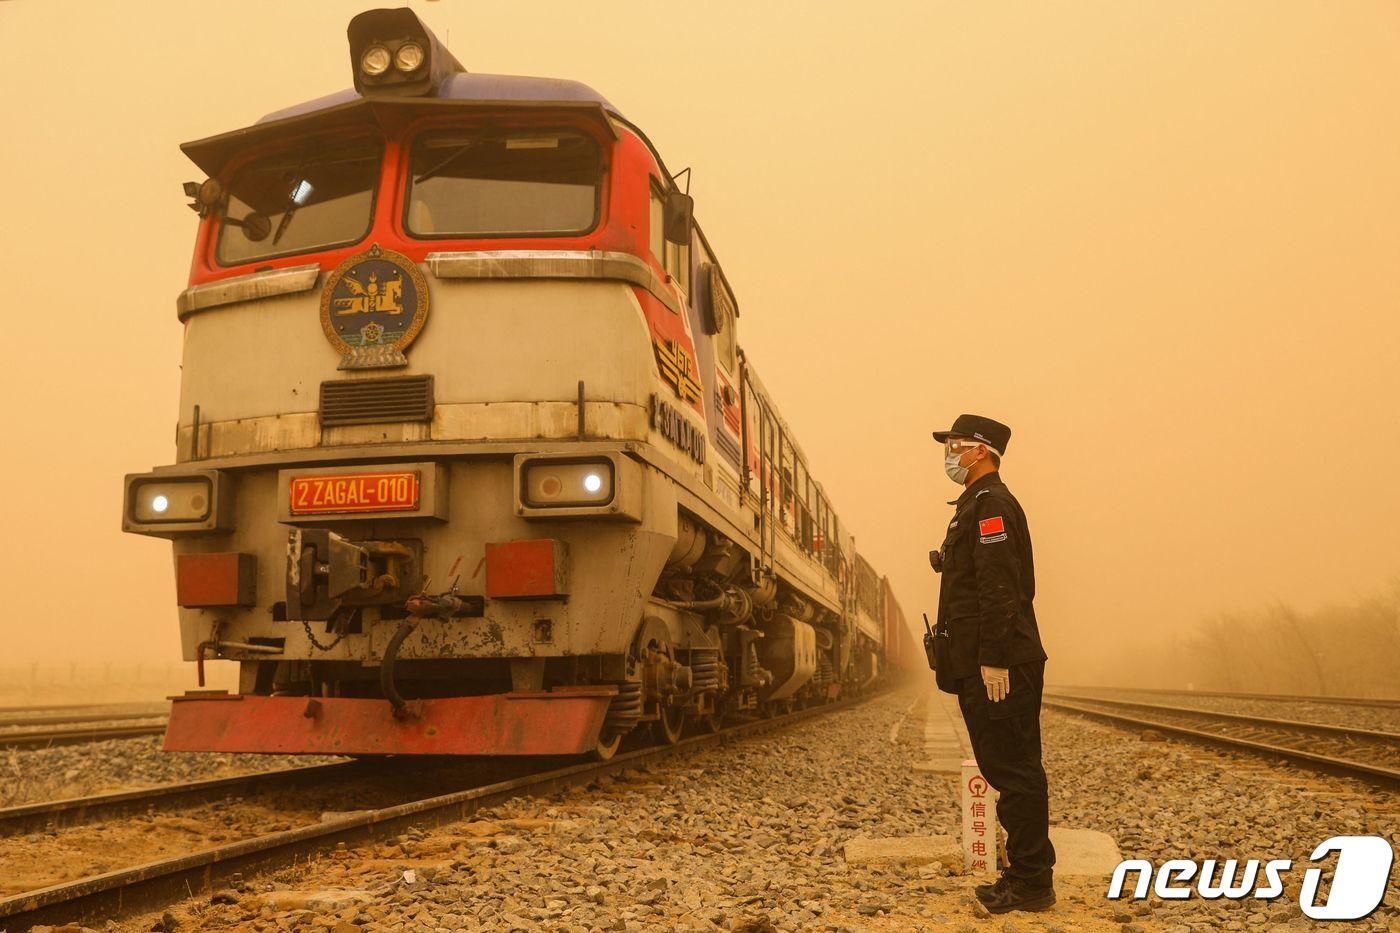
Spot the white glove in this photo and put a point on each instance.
(997, 680)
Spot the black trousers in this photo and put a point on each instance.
(1006, 742)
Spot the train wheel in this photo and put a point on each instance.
(655, 657)
(712, 721)
(669, 727)
(607, 748)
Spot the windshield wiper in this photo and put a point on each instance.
(298, 197)
(453, 156)
(301, 190)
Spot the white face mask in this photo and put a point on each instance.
(956, 473)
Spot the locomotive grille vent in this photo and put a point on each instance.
(372, 401)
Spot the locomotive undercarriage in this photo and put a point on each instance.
(716, 640)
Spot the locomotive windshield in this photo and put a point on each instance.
(318, 195)
(465, 184)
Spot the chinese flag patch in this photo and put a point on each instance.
(991, 526)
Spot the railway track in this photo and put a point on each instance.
(155, 883)
(1368, 754)
(1374, 702)
(54, 815)
(73, 724)
(88, 710)
(47, 738)
(10, 722)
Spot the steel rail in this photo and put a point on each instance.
(1296, 725)
(1377, 702)
(96, 707)
(48, 738)
(1341, 766)
(154, 884)
(73, 811)
(10, 722)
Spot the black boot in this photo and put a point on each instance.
(1016, 896)
(984, 891)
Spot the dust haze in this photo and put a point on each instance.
(1160, 240)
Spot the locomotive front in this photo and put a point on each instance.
(438, 389)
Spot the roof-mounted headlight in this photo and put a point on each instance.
(375, 61)
(409, 57)
(393, 53)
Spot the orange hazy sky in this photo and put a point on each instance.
(1161, 240)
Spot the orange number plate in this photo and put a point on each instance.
(355, 492)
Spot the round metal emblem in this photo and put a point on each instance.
(372, 307)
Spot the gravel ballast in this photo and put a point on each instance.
(40, 774)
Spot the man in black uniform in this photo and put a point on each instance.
(995, 655)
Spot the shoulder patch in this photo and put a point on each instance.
(991, 530)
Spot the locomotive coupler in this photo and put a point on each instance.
(322, 567)
(326, 571)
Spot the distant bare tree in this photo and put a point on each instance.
(1285, 618)
(1332, 650)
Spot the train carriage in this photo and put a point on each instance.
(469, 459)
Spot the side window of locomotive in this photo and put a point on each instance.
(674, 258)
(678, 265)
(657, 220)
(465, 183)
(318, 195)
(727, 340)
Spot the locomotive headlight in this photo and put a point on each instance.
(181, 500)
(608, 485)
(393, 54)
(548, 483)
(170, 505)
(409, 57)
(375, 60)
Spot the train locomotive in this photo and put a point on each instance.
(469, 460)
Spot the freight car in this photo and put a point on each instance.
(469, 458)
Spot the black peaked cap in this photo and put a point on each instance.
(983, 430)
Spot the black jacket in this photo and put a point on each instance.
(985, 598)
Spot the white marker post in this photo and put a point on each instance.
(979, 820)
